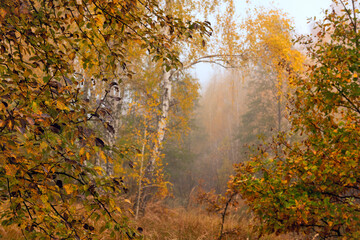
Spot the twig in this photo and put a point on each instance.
(224, 214)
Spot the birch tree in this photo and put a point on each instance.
(49, 185)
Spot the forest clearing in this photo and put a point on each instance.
(106, 131)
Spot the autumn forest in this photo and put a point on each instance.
(107, 133)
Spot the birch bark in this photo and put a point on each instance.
(163, 119)
(146, 191)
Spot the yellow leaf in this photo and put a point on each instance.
(43, 145)
(99, 170)
(44, 198)
(26, 73)
(103, 156)
(60, 105)
(2, 106)
(10, 170)
(112, 203)
(87, 156)
(72, 56)
(355, 75)
(68, 188)
(82, 151)
(2, 14)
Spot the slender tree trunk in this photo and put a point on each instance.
(137, 209)
(146, 192)
(163, 120)
(279, 114)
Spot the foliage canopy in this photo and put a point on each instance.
(312, 184)
(48, 176)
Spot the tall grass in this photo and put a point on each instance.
(162, 223)
(178, 223)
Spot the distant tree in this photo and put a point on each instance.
(268, 36)
(260, 121)
(271, 66)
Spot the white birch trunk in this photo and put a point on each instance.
(145, 194)
(163, 120)
(165, 106)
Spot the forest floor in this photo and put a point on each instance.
(162, 222)
(194, 223)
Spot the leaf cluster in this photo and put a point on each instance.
(48, 148)
(312, 185)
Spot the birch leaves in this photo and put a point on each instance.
(48, 148)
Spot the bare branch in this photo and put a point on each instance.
(218, 59)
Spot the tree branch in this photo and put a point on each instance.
(215, 59)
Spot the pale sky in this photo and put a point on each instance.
(299, 10)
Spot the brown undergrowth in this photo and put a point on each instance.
(14, 232)
(164, 223)
(178, 223)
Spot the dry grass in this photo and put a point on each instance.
(162, 223)
(10, 233)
